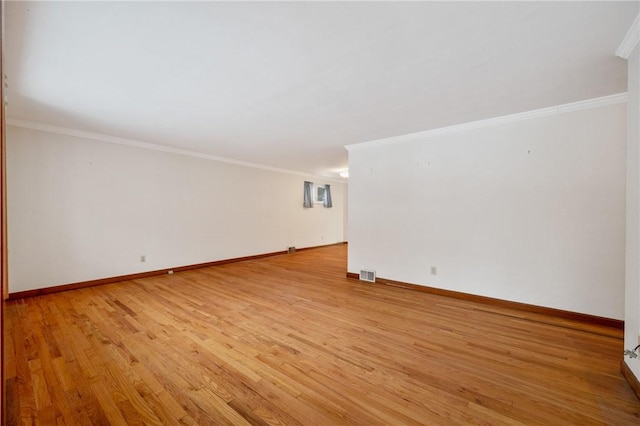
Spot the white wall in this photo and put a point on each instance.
(81, 209)
(531, 211)
(632, 290)
(345, 219)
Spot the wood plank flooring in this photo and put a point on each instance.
(288, 340)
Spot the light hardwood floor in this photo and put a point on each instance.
(289, 340)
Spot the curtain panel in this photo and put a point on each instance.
(307, 201)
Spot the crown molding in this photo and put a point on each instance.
(496, 121)
(630, 41)
(538, 113)
(155, 147)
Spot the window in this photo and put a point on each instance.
(316, 194)
(320, 193)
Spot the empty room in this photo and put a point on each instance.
(320, 213)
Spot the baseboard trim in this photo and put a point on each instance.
(631, 378)
(324, 245)
(128, 277)
(574, 316)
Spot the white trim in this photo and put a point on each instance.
(630, 41)
(544, 112)
(151, 146)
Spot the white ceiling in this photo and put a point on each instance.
(288, 85)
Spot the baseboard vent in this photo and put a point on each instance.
(369, 276)
(291, 250)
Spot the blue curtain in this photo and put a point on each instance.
(327, 196)
(307, 201)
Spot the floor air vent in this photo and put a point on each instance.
(367, 275)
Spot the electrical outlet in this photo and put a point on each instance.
(434, 270)
(170, 272)
(143, 258)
